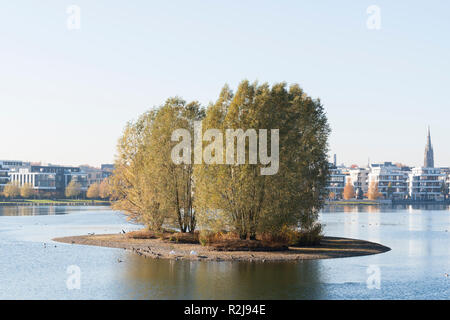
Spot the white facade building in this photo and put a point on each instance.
(336, 182)
(48, 178)
(426, 184)
(392, 181)
(4, 177)
(447, 184)
(37, 180)
(359, 177)
(5, 167)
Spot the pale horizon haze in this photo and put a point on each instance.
(66, 94)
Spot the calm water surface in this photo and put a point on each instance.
(34, 267)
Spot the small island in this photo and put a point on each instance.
(242, 179)
(157, 248)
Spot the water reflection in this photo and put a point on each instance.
(387, 208)
(159, 279)
(33, 210)
(351, 224)
(30, 210)
(413, 269)
(374, 226)
(424, 235)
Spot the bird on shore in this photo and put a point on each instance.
(123, 231)
(446, 275)
(119, 261)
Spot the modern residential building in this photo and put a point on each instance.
(359, 177)
(426, 184)
(5, 167)
(42, 181)
(107, 170)
(94, 175)
(446, 172)
(396, 181)
(392, 181)
(336, 182)
(97, 175)
(13, 164)
(48, 178)
(447, 184)
(4, 177)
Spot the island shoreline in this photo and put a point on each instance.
(330, 247)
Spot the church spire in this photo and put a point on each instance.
(429, 136)
(429, 154)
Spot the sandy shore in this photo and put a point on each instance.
(330, 247)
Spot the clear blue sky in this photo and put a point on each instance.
(65, 95)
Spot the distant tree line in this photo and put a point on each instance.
(99, 190)
(72, 191)
(372, 193)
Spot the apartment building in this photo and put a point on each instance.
(426, 184)
(336, 182)
(97, 175)
(359, 177)
(4, 177)
(392, 181)
(447, 185)
(48, 178)
(5, 167)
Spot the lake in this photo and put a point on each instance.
(34, 267)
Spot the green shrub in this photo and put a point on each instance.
(312, 236)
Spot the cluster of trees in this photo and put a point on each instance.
(12, 190)
(73, 190)
(95, 190)
(153, 190)
(99, 190)
(372, 194)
